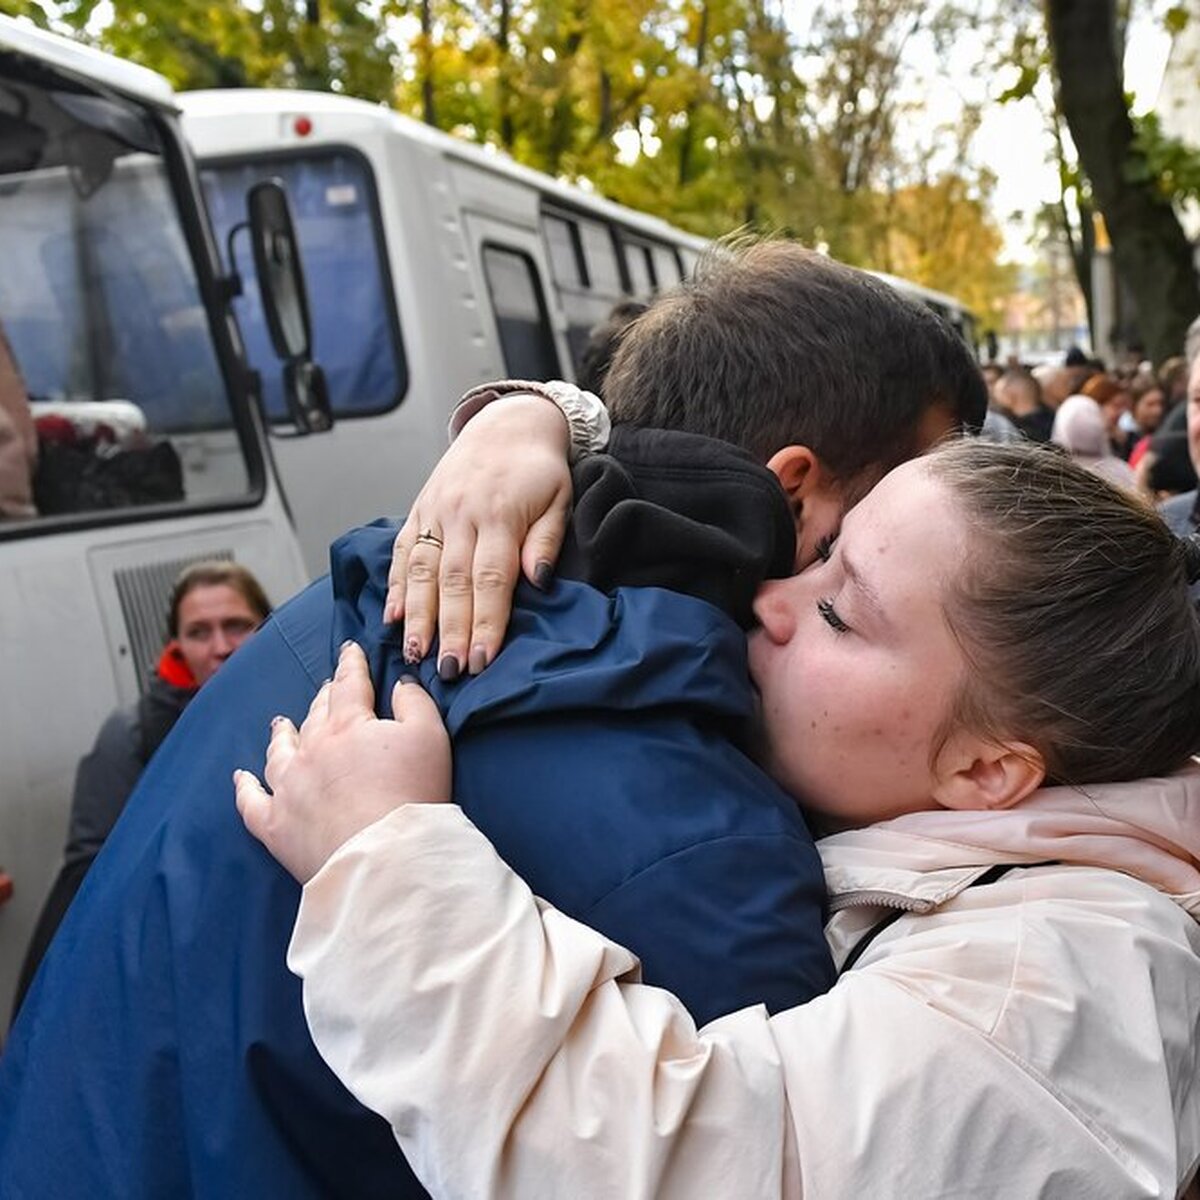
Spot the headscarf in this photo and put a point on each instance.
(1079, 430)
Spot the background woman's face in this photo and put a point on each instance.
(855, 663)
(214, 620)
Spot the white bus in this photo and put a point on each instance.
(433, 265)
(122, 356)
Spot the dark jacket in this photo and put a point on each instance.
(599, 752)
(1182, 516)
(107, 775)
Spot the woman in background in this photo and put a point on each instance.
(215, 606)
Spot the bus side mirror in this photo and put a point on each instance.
(285, 304)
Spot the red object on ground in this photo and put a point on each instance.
(6, 887)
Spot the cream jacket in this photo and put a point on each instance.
(1037, 1036)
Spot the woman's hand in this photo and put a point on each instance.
(344, 768)
(496, 503)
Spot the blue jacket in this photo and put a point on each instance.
(162, 1049)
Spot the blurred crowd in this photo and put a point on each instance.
(1128, 423)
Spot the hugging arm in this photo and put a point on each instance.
(495, 505)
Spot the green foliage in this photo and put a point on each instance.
(693, 109)
(1173, 166)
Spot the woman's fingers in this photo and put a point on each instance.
(253, 804)
(453, 602)
(421, 578)
(393, 605)
(285, 741)
(352, 696)
(493, 582)
(543, 543)
(412, 703)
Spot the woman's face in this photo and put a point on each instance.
(214, 620)
(855, 663)
(1149, 410)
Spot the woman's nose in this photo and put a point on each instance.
(775, 608)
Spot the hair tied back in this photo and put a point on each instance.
(1191, 556)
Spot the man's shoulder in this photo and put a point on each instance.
(1177, 512)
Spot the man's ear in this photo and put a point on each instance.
(799, 471)
(972, 773)
(814, 496)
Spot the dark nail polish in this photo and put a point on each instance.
(542, 574)
(412, 651)
(345, 646)
(408, 677)
(478, 660)
(448, 668)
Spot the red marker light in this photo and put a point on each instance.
(302, 126)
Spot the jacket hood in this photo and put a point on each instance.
(1149, 829)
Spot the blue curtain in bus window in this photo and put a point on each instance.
(109, 307)
(520, 309)
(353, 327)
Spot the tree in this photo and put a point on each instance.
(1151, 253)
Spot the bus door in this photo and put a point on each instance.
(512, 271)
(128, 445)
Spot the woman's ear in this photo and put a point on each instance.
(972, 773)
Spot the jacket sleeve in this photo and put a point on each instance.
(106, 777)
(514, 1053)
(527, 1066)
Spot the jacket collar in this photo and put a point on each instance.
(1149, 829)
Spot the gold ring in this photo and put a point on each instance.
(430, 538)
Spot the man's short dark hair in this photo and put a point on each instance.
(771, 345)
(602, 344)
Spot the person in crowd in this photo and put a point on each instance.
(1019, 397)
(992, 371)
(1148, 407)
(215, 606)
(195, 1049)
(18, 440)
(1182, 512)
(1057, 383)
(1165, 469)
(1172, 379)
(602, 345)
(1081, 429)
(1113, 397)
(1015, 1012)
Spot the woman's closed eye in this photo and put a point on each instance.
(829, 615)
(824, 548)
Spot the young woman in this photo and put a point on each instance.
(997, 640)
(215, 606)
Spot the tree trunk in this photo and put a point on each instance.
(508, 131)
(685, 147)
(1150, 251)
(425, 59)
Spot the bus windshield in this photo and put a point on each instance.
(108, 372)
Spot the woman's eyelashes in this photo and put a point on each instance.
(824, 547)
(830, 616)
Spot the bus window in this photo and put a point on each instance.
(108, 340)
(355, 326)
(666, 266)
(520, 308)
(687, 261)
(566, 252)
(639, 269)
(600, 255)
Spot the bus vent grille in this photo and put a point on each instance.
(145, 595)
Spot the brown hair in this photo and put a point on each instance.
(1074, 616)
(215, 572)
(1102, 388)
(770, 345)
